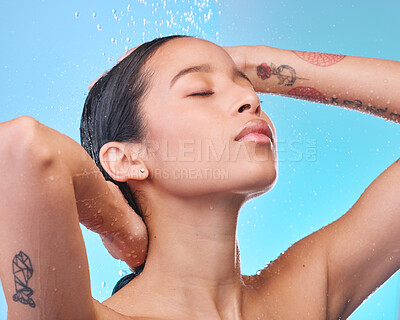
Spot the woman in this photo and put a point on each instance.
(160, 124)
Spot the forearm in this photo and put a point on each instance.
(101, 207)
(364, 84)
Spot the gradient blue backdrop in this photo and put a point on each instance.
(52, 50)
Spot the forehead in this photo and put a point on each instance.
(181, 53)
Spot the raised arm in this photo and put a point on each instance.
(48, 185)
(350, 258)
(364, 84)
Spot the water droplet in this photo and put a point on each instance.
(99, 27)
(128, 8)
(94, 15)
(51, 178)
(79, 266)
(385, 80)
(77, 14)
(103, 284)
(54, 268)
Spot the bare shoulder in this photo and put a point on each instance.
(294, 286)
(105, 312)
(120, 307)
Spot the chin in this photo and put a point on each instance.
(257, 183)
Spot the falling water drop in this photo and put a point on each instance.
(76, 14)
(94, 15)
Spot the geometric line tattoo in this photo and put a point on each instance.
(22, 270)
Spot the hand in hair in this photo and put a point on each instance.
(129, 243)
(118, 61)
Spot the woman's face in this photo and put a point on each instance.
(197, 104)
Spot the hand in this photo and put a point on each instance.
(130, 242)
(118, 61)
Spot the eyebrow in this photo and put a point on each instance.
(207, 69)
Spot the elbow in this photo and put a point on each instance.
(23, 145)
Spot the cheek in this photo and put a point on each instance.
(174, 141)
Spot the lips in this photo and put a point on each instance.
(255, 130)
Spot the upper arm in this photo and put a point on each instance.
(332, 271)
(43, 266)
(363, 246)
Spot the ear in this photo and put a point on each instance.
(120, 160)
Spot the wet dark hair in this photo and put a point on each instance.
(112, 112)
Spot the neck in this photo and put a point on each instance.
(193, 259)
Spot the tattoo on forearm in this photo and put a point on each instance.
(286, 74)
(358, 104)
(308, 93)
(22, 270)
(319, 59)
(311, 94)
(394, 114)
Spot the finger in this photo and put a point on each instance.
(126, 54)
(118, 61)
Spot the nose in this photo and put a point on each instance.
(247, 102)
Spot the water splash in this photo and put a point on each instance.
(143, 20)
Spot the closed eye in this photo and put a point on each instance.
(208, 93)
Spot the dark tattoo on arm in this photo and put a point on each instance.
(22, 270)
(311, 94)
(286, 74)
(358, 105)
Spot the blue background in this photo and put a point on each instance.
(52, 50)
